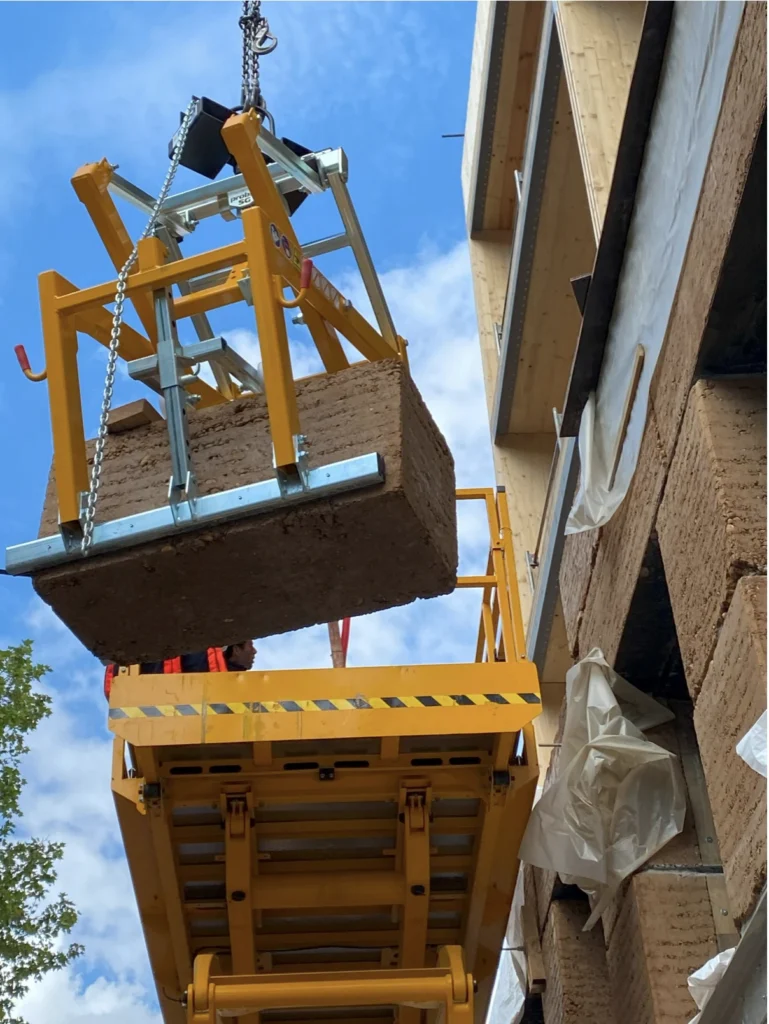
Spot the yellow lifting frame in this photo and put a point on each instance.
(269, 255)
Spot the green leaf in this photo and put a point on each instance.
(31, 922)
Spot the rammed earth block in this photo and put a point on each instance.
(577, 985)
(328, 559)
(664, 932)
(732, 699)
(712, 520)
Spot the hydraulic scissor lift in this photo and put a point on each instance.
(332, 844)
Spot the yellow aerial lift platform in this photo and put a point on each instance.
(332, 844)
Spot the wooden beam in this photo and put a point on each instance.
(134, 414)
(502, 75)
(546, 726)
(523, 467)
(599, 44)
(490, 267)
(564, 248)
(521, 42)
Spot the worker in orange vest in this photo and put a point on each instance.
(237, 657)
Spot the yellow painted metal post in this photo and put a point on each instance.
(498, 563)
(273, 340)
(240, 133)
(90, 183)
(60, 339)
(239, 864)
(158, 814)
(326, 340)
(511, 583)
(490, 905)
(414, 861)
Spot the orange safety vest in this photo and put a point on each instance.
(216, 663)
(109, 675)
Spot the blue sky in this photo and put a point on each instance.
(87, 80)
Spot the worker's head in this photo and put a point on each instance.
(240, 655)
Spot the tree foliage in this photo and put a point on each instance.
(32, 925)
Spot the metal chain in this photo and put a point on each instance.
(257, 41)
(114, 341)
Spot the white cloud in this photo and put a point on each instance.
(123, 101)
(64, 998)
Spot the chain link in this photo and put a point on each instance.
(114, 341)
(257, 41)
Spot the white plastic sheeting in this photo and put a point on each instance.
(508, 996)
(703, 982)
(617, 797)
(697, 58)
(752, 746)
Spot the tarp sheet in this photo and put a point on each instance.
(617, 797)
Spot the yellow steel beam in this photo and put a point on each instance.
(448, 782)
(476, 581)
(495, 874)
(514, 597)
(240, 133)
(332, 306)
(239, 864)
(60, 339)
(447, 986)
(326, 340)
(375, 940)
(279, 389)
(91, 183)
(171, 273)
(157, 817)
(318, 703)
(325, 829)
(319, 889)
(414, 860)
(97, 324)
(215, 872)
(150, 897)
(206, 299)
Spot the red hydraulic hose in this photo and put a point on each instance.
(345, 638)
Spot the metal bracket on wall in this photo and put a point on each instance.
(580, 286)
(740, 996)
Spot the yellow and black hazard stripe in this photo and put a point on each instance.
(269, 707)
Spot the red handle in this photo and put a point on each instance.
(306, 275)
(21, 355)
